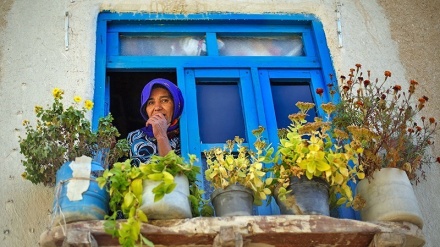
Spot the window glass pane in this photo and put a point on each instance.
(162, 46)
(261, 46)
(285, 96)
(220, 112)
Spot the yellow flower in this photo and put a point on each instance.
(25, 122)
(88, 104)
(57, 93)
(38, 109)
(329, 108)
(77, 99)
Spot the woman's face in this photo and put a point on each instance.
(160, 101)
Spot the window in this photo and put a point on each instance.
(236, 72)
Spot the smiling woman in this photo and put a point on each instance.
(161, 107)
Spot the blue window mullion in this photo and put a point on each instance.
(183, 123)
(248, 105)
(192, 135)
(211, 44)
(266, 98)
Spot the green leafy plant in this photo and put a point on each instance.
(63, 133)
(386, 121)
(124, 183)
(224, 167)
(313, 149)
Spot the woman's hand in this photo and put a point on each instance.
(159, 124)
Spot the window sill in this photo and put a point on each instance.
(281, 230)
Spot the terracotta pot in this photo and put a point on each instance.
(389, 197)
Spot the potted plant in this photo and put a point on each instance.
(389, 124)
(237, 175)
(311, 166)
(63, 141)
(134, 198)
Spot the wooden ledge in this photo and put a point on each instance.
(280, 230)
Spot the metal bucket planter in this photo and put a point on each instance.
(68, 207)
(389, 196)
(234, 200)
(174, 205)
(308, 197)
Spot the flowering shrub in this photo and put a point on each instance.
(63, 133)
(314, 150)
(224, 167)
(386, 121)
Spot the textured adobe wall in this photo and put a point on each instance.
(33, 60)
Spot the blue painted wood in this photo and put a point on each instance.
(135, 62)
(100, 73)
(211, 44)
(184, 139)
(214, 17)
(173, 29)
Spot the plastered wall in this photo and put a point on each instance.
(398, 36)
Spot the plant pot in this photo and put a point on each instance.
(175, 205)
(308, 197)
(389, 197)
(94, 202)
(234, 200)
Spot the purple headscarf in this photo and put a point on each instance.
(176, 94)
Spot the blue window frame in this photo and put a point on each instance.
(226, 93)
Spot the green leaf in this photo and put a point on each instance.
(128, 200)
(170, 188)
(156, 176)
(167, 177)
(158, 197)
(136, 187)
(141, 215)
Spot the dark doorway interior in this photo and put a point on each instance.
(125, 91)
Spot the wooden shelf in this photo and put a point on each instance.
(280, 230)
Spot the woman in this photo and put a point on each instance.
(161, 107)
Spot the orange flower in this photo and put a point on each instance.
(397, 88)
(431, 120)
(387, 73)
(359, 103)
(414, 82)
